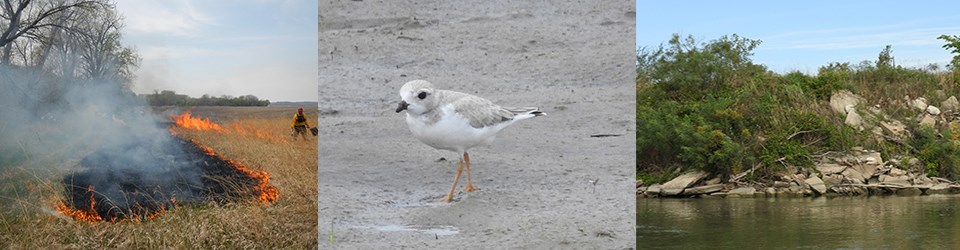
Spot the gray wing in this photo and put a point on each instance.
(480, 112)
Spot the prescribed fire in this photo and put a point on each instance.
(144, 177)
(187, 121)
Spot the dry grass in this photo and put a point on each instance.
(28, 220)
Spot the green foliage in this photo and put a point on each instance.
(706, 106)
(687, 109)
(940, 156)
(779, 150)
(953, 45)
(885, 59)
(820, 87)
(687, 70)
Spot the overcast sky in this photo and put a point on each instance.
(266, 48)
(804, 35)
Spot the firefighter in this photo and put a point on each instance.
(299, 125)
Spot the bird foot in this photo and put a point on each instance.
(445, 198)
(470, 188)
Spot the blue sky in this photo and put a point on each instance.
(267, 48)
(804, 35)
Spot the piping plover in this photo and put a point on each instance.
(455, 121)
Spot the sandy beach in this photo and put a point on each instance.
(565, 180)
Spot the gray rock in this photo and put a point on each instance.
(854, 176)
(902, 180)
(830, 168)
(795, 190)
(873, 180)
(928, 120)
(951, 104)
(909, 191)
(875, 189)
(653, 190)
(716, 195)
(816, 184)
(832, 180)
(941, 188)
(923, 180)
(871, 158)
(841, 99)
(941, 180)
(866, 170)
(894, 128)
(933, 110)
(919, 103)
(850, 108)
(770, 192)
(742, 192)
(676, 186)
(897, 172)
(712, 181)
(853, 119)
(849, 190)
(703, 189)
(877, 131)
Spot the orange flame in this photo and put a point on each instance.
(186, 121)
(92, 215)
(258, 133)
(265, 192)
(80, 215)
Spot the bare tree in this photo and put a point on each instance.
(102, 56)
(25, 18)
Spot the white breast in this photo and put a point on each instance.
(452, 132)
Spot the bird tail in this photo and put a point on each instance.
(525, 112)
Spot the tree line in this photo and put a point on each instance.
(171, 98)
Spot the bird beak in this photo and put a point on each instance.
(403, 105)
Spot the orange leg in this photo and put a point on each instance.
(456, 179)
(470, 186)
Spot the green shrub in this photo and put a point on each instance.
(939, 154)
(828, 81)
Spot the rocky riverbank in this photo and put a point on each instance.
(862, 172)
(857, 172)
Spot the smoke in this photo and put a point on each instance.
(102, 142)
(46, 117)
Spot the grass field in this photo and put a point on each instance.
(258, 137)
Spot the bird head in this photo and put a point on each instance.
(416, 96)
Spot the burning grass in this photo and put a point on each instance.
(188, 170)
(187, 121)
(29, 220)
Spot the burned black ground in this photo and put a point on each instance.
(160, 175)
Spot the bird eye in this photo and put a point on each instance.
(422, 95)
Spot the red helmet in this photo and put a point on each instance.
(299, 109)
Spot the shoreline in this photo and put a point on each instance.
(858, 173)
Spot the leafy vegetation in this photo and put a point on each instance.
(707, 106)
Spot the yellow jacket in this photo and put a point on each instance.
(299, 119)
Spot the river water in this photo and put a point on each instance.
(891, 222)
